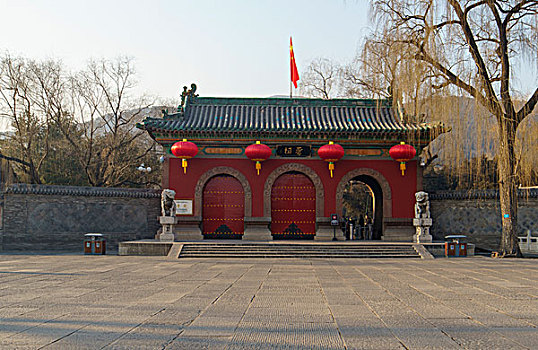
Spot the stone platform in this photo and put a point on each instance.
(131, 302)
(283, 249)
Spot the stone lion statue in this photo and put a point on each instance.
(422, 206)
(168, 206)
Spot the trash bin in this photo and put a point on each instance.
(455, 248)
(94, 244)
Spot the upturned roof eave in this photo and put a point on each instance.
(322, 136)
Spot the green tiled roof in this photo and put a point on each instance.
(274, 117)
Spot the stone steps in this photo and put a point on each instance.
(203, 250)
(300, 250)
(296, 256)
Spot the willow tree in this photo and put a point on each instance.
(472, 47)
(380, 69)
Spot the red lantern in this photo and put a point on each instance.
(402, 153)
(258, 152)
(184, 150)
(331, 153)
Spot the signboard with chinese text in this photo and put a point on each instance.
(183, 206)
(294, 151)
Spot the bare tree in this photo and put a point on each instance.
(321, 79)
(102, 103)
(23, 86)
(471, 46)
(75, 128)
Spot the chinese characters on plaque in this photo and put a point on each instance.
(294, 151)
(183, 206)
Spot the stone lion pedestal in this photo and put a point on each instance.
(422, 227)
(167, 234)
(422, 220)
(168, 218)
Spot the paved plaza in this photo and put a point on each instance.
(126, 302)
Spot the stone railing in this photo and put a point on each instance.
(528, 243)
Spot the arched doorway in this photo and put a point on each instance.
(362, 195)
(361, 203)
(223, 208)
(381, 192)
(293, 207)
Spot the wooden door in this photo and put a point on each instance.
(223, 208)
(293, 207)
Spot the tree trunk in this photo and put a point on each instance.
(508, 188)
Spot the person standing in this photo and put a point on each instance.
(368, 227)
(361, 227)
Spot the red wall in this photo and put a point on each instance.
(403, 187)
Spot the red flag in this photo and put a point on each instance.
(293, 67)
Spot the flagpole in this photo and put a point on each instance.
(294, 74)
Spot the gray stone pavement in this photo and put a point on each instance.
(125, 302)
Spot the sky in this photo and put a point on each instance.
(226, 47)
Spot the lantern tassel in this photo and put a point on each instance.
(184, 165)
(258, 166)
(402, 168)
(331, 168)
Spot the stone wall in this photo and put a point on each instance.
(477, 215)
(44, 217)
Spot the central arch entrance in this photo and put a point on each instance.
(293, 207)
(223, 211)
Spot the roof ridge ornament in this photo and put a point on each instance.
(186, 95)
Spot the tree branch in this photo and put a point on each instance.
(528, 107)
(20, 161)
(454, 79)
(442, 24)
(519, 6)
(505, 63)
(475, 53)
